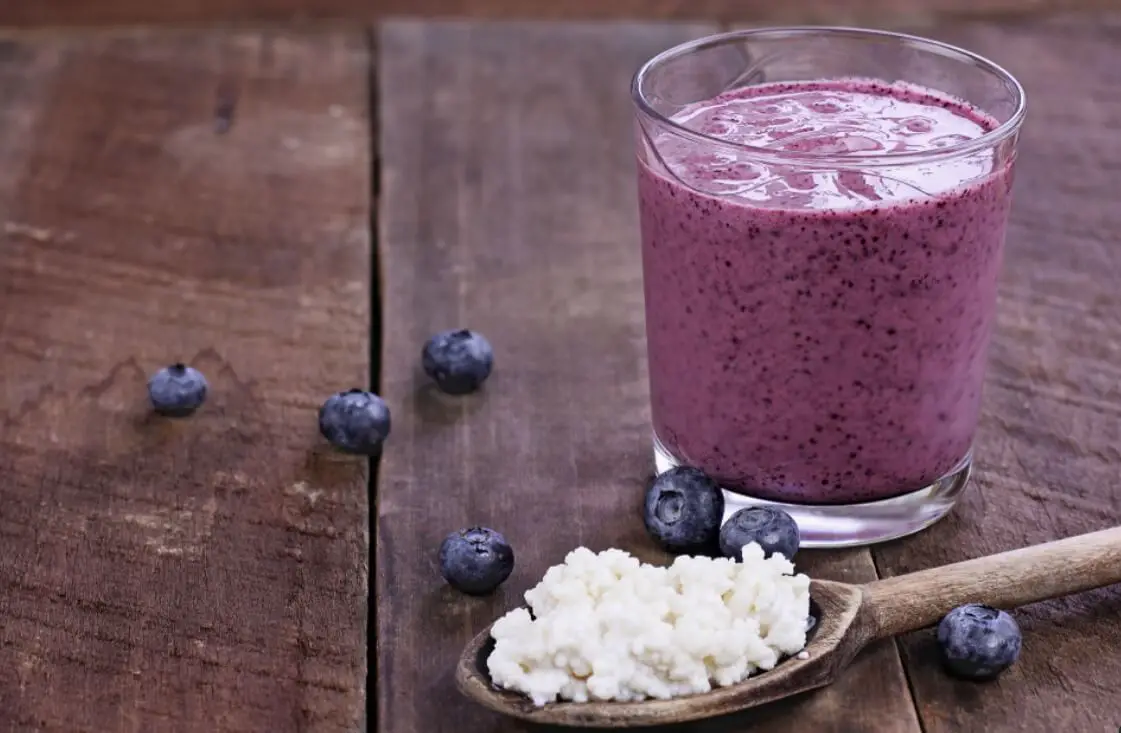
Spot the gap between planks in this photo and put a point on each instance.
(373, 116)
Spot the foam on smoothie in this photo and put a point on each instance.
(853, 118)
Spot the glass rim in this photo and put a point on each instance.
(988, 140)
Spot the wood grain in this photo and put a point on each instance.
(507, 205)
(202, 197)
(876, 12)
(1048, 452)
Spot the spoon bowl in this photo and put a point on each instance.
(835, 606)
(849, 617)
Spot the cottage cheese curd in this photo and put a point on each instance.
(608, 627)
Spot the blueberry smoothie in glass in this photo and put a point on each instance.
(820, 260)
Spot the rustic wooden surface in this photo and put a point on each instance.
(206, 196)
(508, 207)
(37, 13)
(200, 197)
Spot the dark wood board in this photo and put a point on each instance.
(39, 13)
(508, 205)
(1049, 448)
(202, 197)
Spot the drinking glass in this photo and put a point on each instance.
(823, 213)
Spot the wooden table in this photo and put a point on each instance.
(209, 196)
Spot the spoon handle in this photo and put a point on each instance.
(1016, 578)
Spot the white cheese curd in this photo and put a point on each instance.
(608, 627)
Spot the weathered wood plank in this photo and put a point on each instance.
(508, 205)
(874, 12)
(1048, 456)
(196, 197)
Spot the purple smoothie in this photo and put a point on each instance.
(820, 337)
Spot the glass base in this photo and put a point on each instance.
(853, 525)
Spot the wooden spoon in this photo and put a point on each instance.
(849, 618)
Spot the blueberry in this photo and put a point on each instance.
(683, 510)
(773, 529)
(476, 560)
(978, 642)
(355, 421)
(459, 361)
(177, 390)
